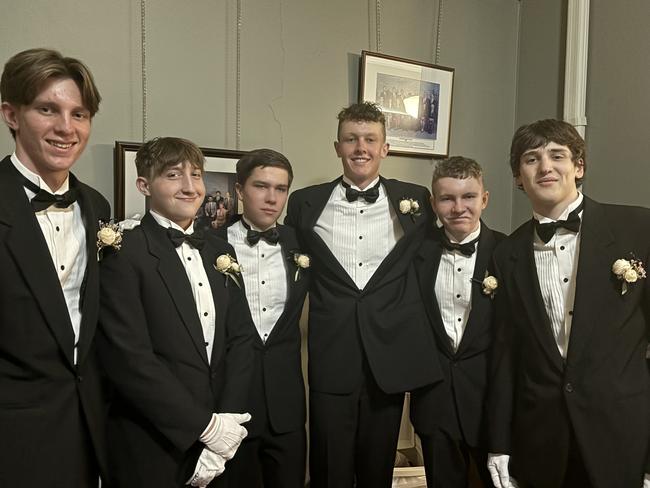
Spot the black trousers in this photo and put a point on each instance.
(269, 460)
(447, 461)
(354, 437)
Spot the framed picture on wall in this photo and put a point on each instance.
(415, 98)
(220, 204)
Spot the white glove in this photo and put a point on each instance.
(208, 467)
(497, 465)
(224, 434)
(646, 481)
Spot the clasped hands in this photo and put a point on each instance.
(222, 437)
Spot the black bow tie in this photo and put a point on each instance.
(272, 235)
(467, 249)
(177, 237)
(44, 199)
(547, 231)
(370, 195)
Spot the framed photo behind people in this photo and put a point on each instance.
(219, 178)
(415, 98)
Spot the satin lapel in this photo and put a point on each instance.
(480, 302)
(313, 209)
(175, 279)
(220, 296)
(428, 262)
(394, 197)
(595, 301)
(527, 284)
(26, 243)
(90, 287)
(289, 246)
(408, 225)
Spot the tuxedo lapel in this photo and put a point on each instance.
(408, 223)
(27, 245)
(175, 279)
(595, 300)
(428, 260)
(481, 303)
(89, 303)
(220, 297)
(527, 284)
(289, 247)
(312, 211)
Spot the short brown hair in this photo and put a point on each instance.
(362, 112)
(458, 167)
(262, 158)
(539, 134)
(26, 73)
(158, 154)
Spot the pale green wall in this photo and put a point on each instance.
(618, 102)
(299, 67)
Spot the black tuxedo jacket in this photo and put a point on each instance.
(457, 404)
(602, 390)
(48, 405)
(152, 347)
(277, 380)
(385, 322)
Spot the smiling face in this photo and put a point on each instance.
(548, 176)
(177, 193)
(458, 203)
(52, 131)
(361, 147)
(263, 195)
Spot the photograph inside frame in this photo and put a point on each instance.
(416, 100)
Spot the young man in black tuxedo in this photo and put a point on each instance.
(369, 340)
(51, 401)
(175, 333)
(456, 288)
(275, 277)
(569, 401)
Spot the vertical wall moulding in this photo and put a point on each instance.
(233, 24)
(378, 24)
(575, 77)
(438, 27)
(143, 50)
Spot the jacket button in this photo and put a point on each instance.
(568, 388)
(80, 379)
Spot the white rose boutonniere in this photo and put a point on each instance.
(302, 261)
(229, 267)
(409, 206)
(628, 271)
(109, 235)
(490, 285)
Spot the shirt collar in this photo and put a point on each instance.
(36, 179)
(470, 237)
(165, 222)
(254, 227)
(563, 216)
(341, 190)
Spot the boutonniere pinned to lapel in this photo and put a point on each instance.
(229, 267)
(302, 261)
(408, 206)
(628, 271)
(108, 235)
(489, 285)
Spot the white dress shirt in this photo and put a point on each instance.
(201, 290)
(65, 235)
(556, 263)
(359, 234)
(454, 288)
(264, 269)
